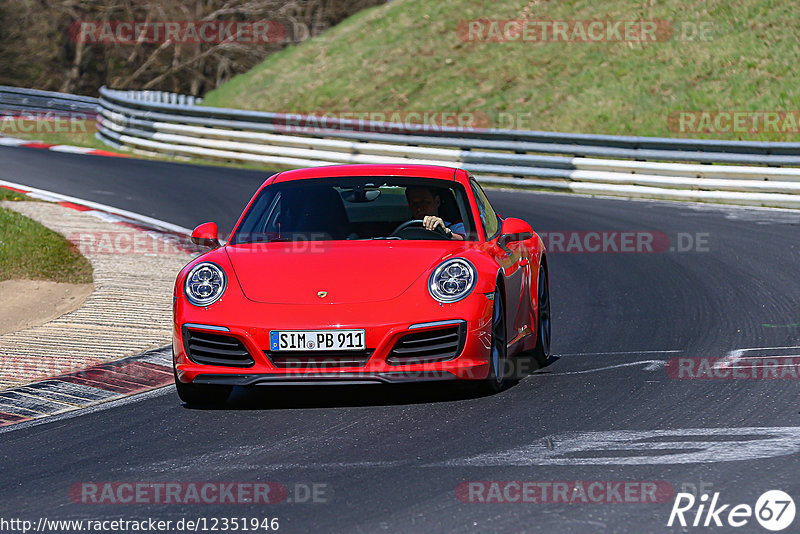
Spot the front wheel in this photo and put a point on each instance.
(542, 351)
(497, 380)
(201, 395)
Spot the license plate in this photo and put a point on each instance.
(288, 340)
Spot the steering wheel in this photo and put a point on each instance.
(420, 222)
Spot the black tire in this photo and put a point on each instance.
(201, 395)
(543, 323)
(498, 378)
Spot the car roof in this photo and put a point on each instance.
(333, 171)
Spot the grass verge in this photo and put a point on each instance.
(6, 194)
(31, 251)
(409, 55)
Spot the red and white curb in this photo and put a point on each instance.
(91, 386)
(13, 141)
(101, 211)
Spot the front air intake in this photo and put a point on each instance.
(438, 345)
(318, 359)
(215, 349)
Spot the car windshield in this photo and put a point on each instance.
(355, 208)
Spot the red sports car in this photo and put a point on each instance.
(361, 274)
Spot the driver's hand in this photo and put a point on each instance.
(430, 222)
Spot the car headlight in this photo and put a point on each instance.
(204, 284)
(452, 280)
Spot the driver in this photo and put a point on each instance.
(424, 204)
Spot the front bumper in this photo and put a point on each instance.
(323, 378)
(384, 326)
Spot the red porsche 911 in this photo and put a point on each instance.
(361, 274)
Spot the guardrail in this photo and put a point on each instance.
(735, 172)
(17, 99)
(720, 171)
(163, 97)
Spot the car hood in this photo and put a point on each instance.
(347, 272)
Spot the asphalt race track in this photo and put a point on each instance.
(397, 459)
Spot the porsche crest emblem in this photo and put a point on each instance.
(322, 294)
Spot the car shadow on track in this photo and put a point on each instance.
(347, 396)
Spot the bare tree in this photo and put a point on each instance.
(44, 48)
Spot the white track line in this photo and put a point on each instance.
(654, 365)
(738, 354)
(58, 197)
(619, 352)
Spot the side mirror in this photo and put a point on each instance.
(205, 235)
(513, 230)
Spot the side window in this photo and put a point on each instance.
(488, 217)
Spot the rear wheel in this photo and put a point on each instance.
(498, 379)
(203, 395)
(542, 351)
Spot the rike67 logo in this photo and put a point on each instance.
(774, 510)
